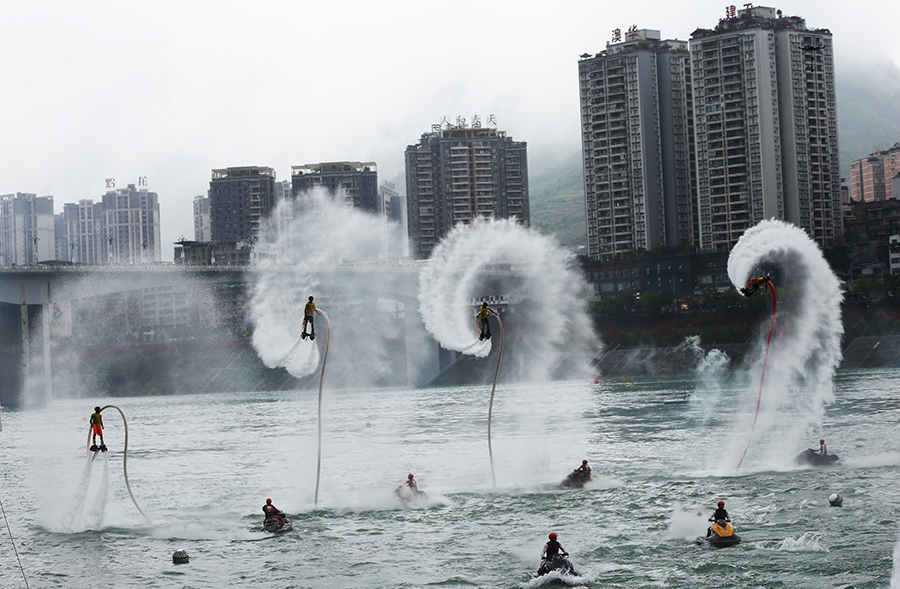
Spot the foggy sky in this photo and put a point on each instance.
(171, 90)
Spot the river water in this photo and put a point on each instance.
(201, 466)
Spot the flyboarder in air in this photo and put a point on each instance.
(484, 324)
(309, 312)
(97, 429)
(754, 285)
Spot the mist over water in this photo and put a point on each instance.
(496, 258)
(805, 349)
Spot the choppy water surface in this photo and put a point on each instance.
(202, 466)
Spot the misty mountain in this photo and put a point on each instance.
(868, 108)
(868, 104)
(556, 195)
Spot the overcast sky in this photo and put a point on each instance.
(171, 90)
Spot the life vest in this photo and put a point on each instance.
(552, 548)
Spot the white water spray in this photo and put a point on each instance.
(805, 348)
(500, 257)
(301, 239)
(71, 520)
(895, 571)
(95, 515)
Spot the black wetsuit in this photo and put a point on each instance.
(272, 511)
(719, 513)
(551, 548)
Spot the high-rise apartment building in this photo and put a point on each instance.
(201, 218)
(130, 224)
(26, 229)
(457, 173)
(766, 127)
(637, 131)
(872, 177)
(84, 232)
(356, 182)
(239, 200)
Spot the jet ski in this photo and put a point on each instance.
(721, 534)
(576, 479)
(409, 495)
(277, 525)
(812, 457)
(557, 563)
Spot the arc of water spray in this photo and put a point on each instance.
(124, 457)
(762, 377)
(321, 380)
(491, 403)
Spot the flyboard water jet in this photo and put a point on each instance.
(321, 380)
(124, 457)
(796, 361)
(493, 389)
(748, 291)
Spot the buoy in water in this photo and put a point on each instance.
(836, 500)
(180, 557)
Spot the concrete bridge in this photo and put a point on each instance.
(27, 296)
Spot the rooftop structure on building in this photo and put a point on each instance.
(458, 172)
(239, 201)
(637, 144)
(355, 182)
(766, 126)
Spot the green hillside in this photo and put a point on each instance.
(557, 201)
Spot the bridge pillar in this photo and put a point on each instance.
(12, 360)
(24, 352)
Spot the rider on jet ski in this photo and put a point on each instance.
(272, 511)
(719, 513)
(551, 549)
(584, 468)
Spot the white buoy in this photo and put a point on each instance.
(835, 500)
(180, 557)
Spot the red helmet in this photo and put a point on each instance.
(268, 500)
(552, 536)
(584, 462)
(721, 503)
(410, 476)
(822, 441)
